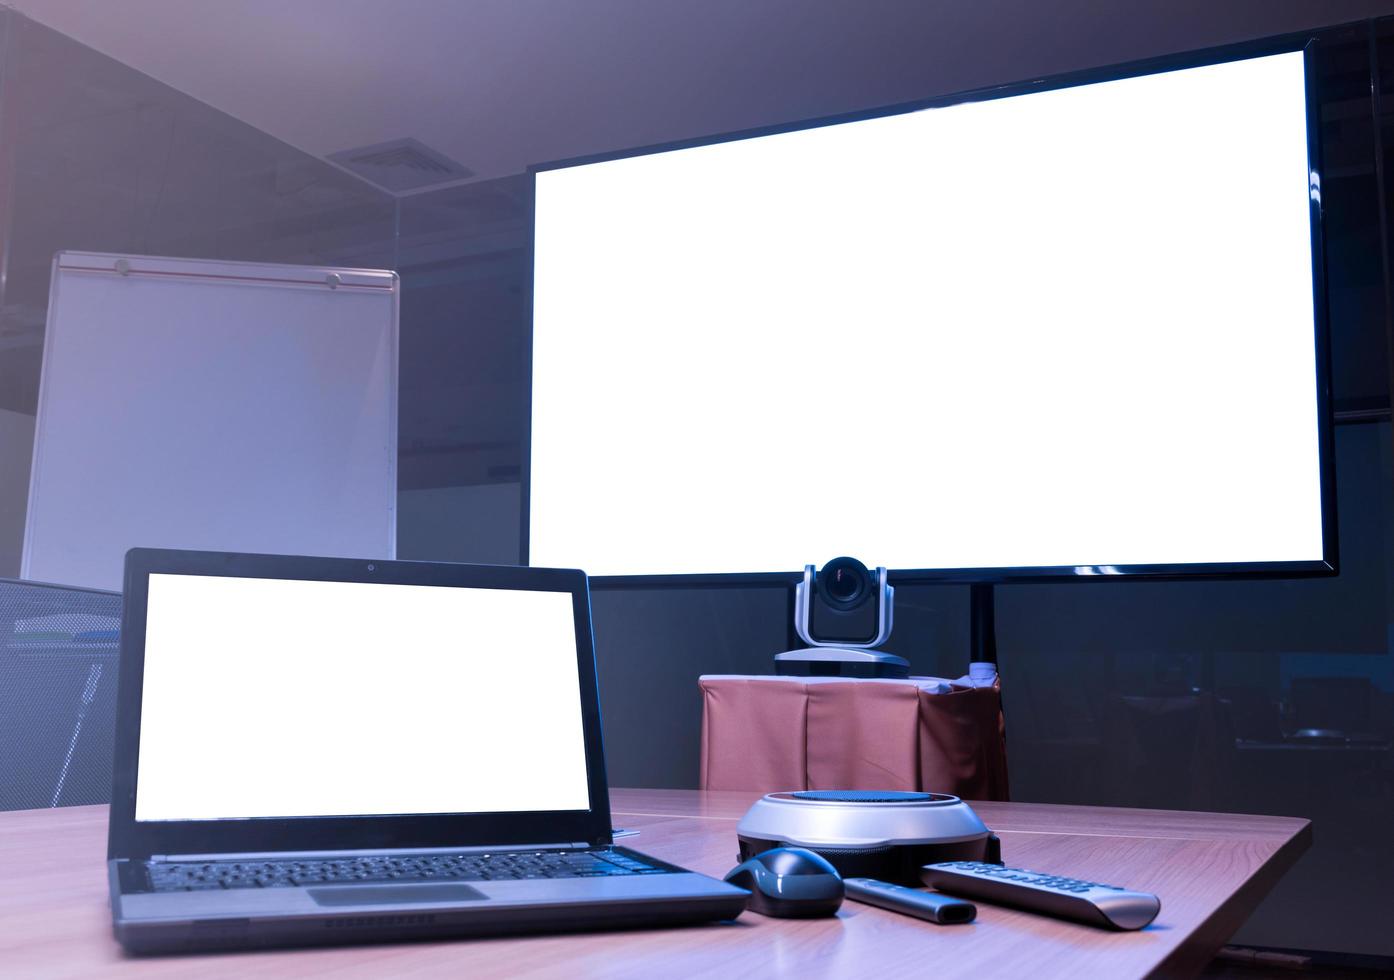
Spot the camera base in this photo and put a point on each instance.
(840, 662)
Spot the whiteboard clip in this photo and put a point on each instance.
(333, 280)
(123, 268)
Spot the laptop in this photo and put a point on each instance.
(324, 750)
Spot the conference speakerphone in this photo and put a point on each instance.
(886, 835)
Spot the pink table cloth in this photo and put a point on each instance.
(770, 734)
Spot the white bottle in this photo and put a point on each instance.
(979, 675)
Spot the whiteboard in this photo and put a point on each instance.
(225, 406)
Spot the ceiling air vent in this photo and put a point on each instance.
(401, 165)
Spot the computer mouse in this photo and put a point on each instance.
(789, 883)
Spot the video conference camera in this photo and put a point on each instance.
(842, 612)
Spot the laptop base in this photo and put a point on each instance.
(359, 924)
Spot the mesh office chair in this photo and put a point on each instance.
(58, 658)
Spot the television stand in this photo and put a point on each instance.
(982, 634)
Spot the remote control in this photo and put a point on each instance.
(1084, 901)
(909, 901)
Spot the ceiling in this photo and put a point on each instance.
(497, 85)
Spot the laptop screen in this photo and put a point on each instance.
(281, 698)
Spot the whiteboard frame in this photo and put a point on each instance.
(252, 274)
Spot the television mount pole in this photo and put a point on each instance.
(982, 636)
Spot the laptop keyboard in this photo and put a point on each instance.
(505, 866)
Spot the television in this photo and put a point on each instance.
(1072, 327)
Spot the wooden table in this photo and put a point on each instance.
(1210, 870)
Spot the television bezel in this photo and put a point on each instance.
(1306, 43)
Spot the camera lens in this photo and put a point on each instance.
(372, 568)
(845, 583)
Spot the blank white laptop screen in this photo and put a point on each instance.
(281, 698)
(1067, 328)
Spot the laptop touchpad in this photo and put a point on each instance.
(395, 894)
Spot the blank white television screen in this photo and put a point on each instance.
(1073, 327)
(279, 698)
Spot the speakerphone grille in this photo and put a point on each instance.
(862, 796)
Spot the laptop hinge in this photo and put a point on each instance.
(290, 855)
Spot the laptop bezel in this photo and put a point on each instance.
(129, 838)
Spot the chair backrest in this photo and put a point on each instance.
(58, 659)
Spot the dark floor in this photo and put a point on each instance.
(1236, 964)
